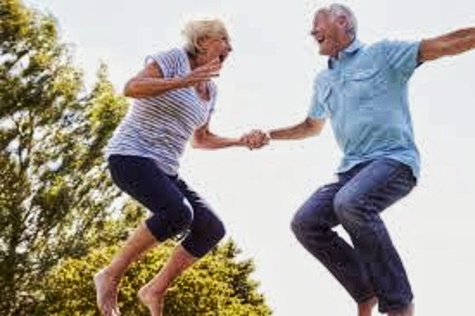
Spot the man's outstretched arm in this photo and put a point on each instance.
(450, 44)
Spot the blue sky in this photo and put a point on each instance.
(267, 83)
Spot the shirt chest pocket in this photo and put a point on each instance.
(365, 85)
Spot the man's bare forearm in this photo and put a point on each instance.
(305, 129)
(450, 44)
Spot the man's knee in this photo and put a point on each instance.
(303, 223)
(347, 207)
(297, 225)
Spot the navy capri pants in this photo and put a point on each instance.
(176, 208)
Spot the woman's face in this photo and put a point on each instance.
(216, 46)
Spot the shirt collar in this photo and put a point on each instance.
(349, 50)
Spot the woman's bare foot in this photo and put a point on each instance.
(154, 300)
(366, 308)
(407, 311)
(106, 293)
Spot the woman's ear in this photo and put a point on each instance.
(202, 45)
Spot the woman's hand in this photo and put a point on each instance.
(203, 73)
(255, 139)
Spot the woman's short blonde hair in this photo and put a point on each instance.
(199, 29)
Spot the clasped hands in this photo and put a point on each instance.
(255, 139)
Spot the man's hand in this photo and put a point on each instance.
(255, 139)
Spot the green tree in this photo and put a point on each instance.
(54, 189)
(218, 284)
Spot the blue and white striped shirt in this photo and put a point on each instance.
(160, 127)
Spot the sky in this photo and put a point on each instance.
(266, 83)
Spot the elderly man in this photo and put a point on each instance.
(364, 94)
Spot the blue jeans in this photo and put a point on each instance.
(176, 208)
(372, 266)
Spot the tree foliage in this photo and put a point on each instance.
(219, 284)
(54, 187)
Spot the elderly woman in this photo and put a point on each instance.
(174, 97)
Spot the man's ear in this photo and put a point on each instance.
(342, 22)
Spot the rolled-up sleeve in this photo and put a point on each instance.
(167, 61)
(402, 56)
(319, 106)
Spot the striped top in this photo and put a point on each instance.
(160, 127)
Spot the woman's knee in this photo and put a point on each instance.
(214, 228)
(219, 231)
(181, 215)
(204, 236)
(171, 221)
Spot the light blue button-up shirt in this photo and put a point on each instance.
(364, 94)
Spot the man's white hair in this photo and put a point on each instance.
(340, 10)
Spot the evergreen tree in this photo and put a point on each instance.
(53, 186)
(218, 284)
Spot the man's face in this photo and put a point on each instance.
(326, 33)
